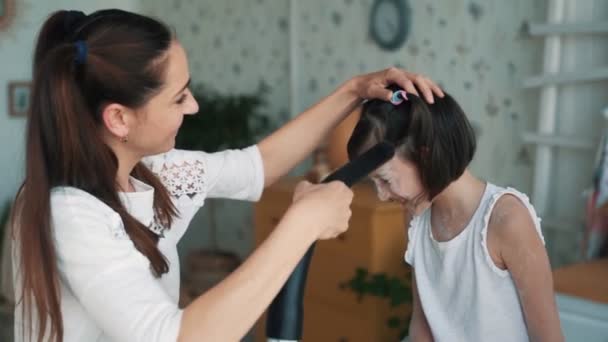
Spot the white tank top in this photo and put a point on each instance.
(464, 295)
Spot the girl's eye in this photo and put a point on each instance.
(181, 99)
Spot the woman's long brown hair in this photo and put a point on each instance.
(124, 64)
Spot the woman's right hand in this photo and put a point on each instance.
(324, 207)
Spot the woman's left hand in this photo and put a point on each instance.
(373, 85)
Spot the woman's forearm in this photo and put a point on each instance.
(229, 310)
(292, 143)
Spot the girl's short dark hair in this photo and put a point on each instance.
(437, 138)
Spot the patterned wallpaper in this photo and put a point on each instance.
(234, 45)
(475, 49)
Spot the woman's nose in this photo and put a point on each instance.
(193, 108)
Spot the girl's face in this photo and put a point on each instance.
(159, 120)
(398, 181)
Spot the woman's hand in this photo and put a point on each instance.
(325, 207)
(373, 85)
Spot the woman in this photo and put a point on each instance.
(106, 198)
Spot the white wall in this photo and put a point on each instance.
(579, 115)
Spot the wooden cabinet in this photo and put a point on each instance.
(376, 240)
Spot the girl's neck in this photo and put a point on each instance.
(454, 207)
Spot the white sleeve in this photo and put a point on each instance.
(411, 240)
(195, 175)
(109, 278)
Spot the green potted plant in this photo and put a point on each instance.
(395, 289)
(226, 121)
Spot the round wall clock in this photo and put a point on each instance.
(390, 23)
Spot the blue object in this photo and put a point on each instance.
(398, 97)
(81, 52)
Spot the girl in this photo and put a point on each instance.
(106, 198)
(480, 269)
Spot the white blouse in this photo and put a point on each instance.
(463, 294)
(108, 291)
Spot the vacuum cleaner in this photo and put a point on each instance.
(286, 312)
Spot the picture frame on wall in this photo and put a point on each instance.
(7, 12)
(19, 98)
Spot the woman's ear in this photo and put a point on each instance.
(117, 119)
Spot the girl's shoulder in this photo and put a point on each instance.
(508, 206)
(509, 220)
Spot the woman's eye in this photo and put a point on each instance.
(181, 99)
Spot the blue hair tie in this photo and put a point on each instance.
(398, 97)
(81, 52)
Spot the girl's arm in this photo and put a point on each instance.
(521, 250)
(419, 327)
